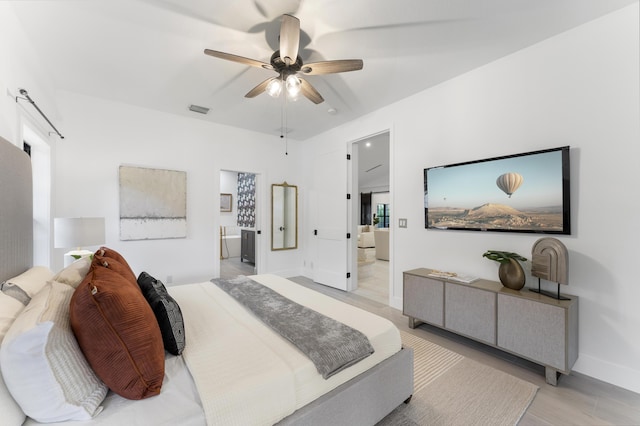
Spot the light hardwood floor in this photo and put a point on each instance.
(577, 400)
(373, 281)
(232, 267)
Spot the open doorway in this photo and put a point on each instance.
(237, 233)
(372, 184)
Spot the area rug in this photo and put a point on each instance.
(430, 361)
(450, 389)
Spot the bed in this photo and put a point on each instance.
(233, 370)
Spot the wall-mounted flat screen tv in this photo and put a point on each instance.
(526, 192)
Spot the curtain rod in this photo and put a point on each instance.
(24, 93)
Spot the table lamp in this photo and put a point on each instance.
(78, 232)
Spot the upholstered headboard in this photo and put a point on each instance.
(16, 211)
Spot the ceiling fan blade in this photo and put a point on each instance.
(260, 88)
(289, 39)
(332, 67)
(239, 59)
(310, 92)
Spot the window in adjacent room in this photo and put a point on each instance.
(383, 213)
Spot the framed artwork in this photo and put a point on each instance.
(225, 202)
(153, 203)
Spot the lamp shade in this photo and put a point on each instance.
(78, 231)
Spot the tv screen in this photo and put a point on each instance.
(526, 192)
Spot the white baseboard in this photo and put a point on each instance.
(396, 302)
(615, 374)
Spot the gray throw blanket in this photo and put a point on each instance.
(330, 344)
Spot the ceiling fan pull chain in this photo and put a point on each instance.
(283, 120)
(284, 127)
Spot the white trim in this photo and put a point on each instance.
(609, 372)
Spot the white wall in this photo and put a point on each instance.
(102, 135)
(19, 69)
(229, 185)
(579, 88)
(19, 120)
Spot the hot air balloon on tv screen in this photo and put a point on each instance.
(509, 182)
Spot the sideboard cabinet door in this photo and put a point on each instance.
(537, 331)
(471, 312)
(423, 299)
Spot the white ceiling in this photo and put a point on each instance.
(150, 52)
(373, 163)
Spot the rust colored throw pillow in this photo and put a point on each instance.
(115, 265)
(112, 254)
(118, 333)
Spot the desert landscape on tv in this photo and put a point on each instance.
(519, 193)
(497, 216)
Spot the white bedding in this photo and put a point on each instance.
(177, 404)
(252, 363)
(245, 374)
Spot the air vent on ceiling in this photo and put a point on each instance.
(199, 109)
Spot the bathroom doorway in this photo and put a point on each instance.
(237, 219)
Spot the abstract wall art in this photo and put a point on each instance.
(153, 203)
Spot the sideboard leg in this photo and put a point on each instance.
(551, 375)
(413, 322)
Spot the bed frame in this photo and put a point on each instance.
(364, 400)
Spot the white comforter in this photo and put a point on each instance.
(248, 375)
(244, 373)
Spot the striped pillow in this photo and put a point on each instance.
(42, 364)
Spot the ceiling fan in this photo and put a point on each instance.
(288, 64)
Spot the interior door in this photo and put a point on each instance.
(329, 206)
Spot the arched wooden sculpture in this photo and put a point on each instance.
(550, 261)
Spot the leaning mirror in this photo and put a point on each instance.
(284, 216)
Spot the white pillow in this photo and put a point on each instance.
(42, 364)
(31, 281)
(10, 308)
(74, 274)
(19, 291)
(16, 292)
(12, 414)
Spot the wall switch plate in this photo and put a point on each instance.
(402, 223)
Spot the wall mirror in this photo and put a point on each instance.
(284, 216)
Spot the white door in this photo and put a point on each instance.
(329, 207)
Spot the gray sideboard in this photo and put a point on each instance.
(527, 324)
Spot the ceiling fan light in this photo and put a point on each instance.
(274, 88)
(293, 85)
(293, 98)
